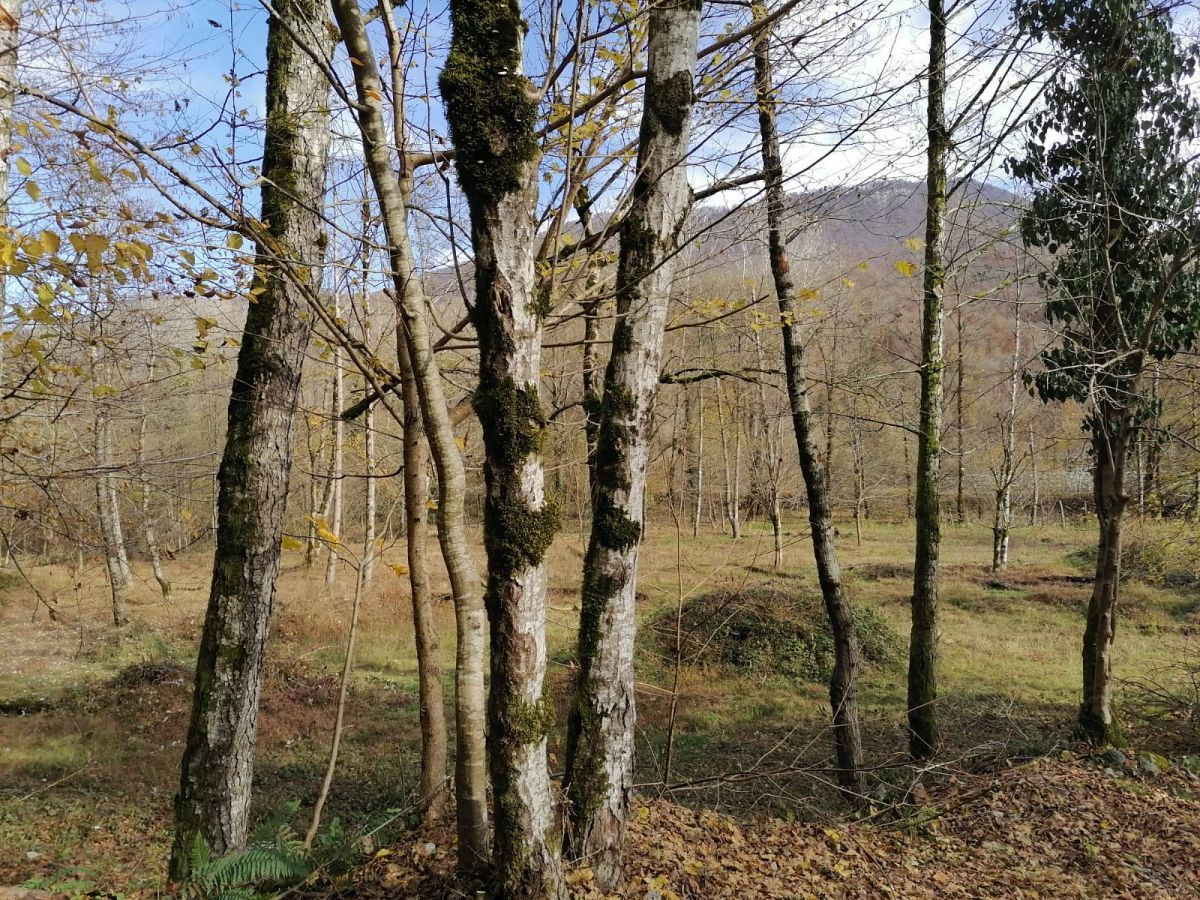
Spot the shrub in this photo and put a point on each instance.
(1167, 556)
(767, 631)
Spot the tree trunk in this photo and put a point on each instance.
(497, 166)
(10, 17)
(922, 652)
(213, 803)
(471, 776)
(960, 507)
(1110, 448)
(843, 683)
(108, 511)
(370, 452)
(336, 462)
(600, 729)
(696, 469)
(1002, 523)
(148, 531)
(591, 387)
(429, 666)
(1037, 488)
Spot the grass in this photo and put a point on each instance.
(86, 782)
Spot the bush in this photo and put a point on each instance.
(767, 631)
(1166, 556)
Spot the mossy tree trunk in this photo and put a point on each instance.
(600, 730)
(213, 803)
(922, 650)
(491, 108)
(470, 766)
(843, 683)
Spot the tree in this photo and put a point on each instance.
(492, 111)
(922, 648)
(843, 683)
(213, 803)
(600, 729)
(1114, 207)
(470, 764)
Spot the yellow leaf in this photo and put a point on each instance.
(34, 192)
(373, 94)
(291, 543)
(234, 241)
(809, 294)
(915, 244)
(580, 876)
(431, 504)
(399, 568)
(461, 442)
(23, 166)
(50, 242)
(905, 268)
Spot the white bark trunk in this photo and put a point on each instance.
(600, 733)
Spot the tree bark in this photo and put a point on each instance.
(213, 803)
(148, 530)
(336, 461)
(491, 108)
(1112, 433)
(922, 654)
(600, 728)
(471, 776)
(10, 18)
(843, 683)
(429, 666)
(960, 506)
(108, 510)
(1002, 523)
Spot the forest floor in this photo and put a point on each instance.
(92, 720)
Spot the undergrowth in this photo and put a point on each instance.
(768, 631)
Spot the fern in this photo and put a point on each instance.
(274, 856)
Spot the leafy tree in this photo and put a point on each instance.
(1114, 208)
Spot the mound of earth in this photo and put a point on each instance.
(1058, 828)
(767, 630)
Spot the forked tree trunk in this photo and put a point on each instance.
(470, 768)
(922, 648)
(213, 804)
(600, 728)
(843, 683)
(491, 108)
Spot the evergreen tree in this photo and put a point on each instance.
(1114, 210)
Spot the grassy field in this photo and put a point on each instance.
(92, 718)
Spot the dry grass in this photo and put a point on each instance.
(88, 781)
